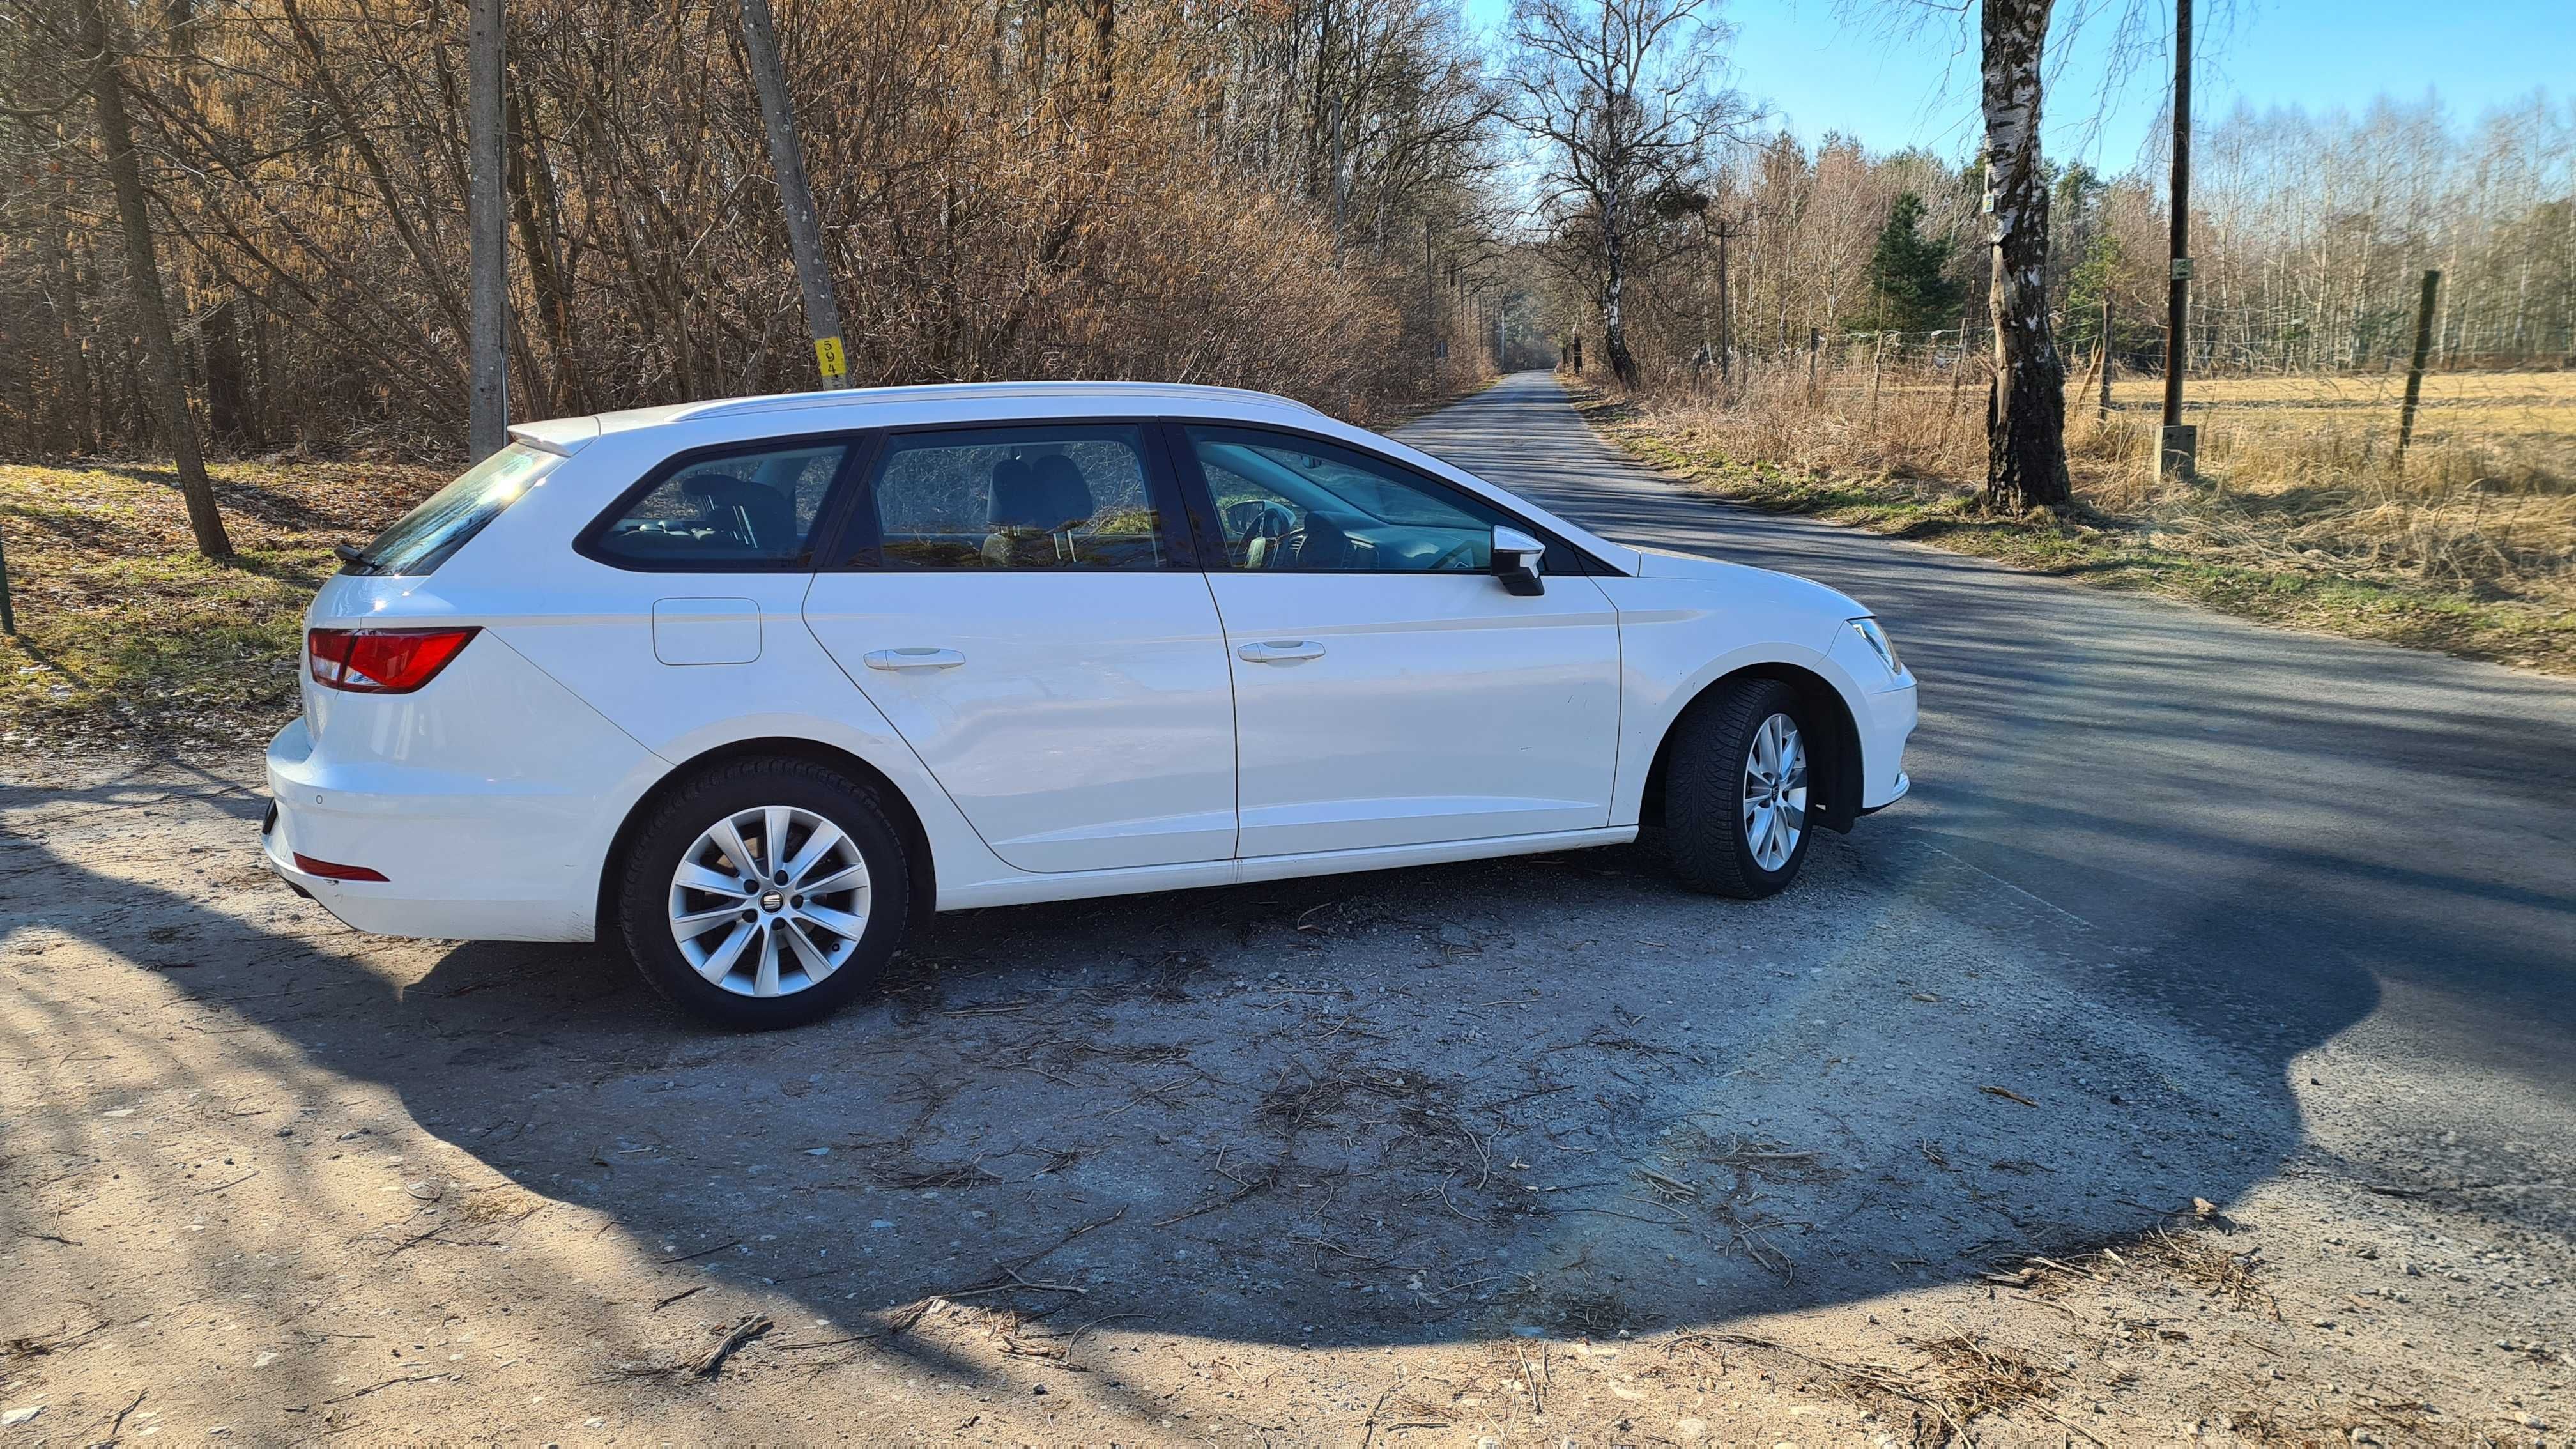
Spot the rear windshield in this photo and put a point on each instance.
(424, 538)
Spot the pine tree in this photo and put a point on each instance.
(1906, 273)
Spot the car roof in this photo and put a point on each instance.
(894, 406)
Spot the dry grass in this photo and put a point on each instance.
(2303, 512)
(126, 635)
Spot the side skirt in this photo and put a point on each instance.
(1082, 885)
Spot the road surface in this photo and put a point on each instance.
(2273, 834)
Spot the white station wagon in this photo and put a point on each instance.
(750, 686)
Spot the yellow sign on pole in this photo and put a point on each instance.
(827, 356)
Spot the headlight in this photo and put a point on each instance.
(1876, 638)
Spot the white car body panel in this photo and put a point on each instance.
(1088, 722)
(1440, 708)
(1102, 736)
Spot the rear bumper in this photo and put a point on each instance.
(458, 866)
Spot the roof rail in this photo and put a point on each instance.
(776, 402)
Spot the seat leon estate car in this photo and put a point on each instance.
(749, 687)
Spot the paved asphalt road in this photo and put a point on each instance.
(2276, 835)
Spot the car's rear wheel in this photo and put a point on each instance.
(1736, 790)
(765, 893)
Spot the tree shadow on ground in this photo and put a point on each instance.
(1414, 1106)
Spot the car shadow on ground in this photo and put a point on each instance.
(1548, 1094)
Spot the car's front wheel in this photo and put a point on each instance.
(1736, 790)
(764, 893)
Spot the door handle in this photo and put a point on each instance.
(1280, 651)
(914, 658)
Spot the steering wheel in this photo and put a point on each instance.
(1257, 518)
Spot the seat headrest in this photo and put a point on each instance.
(1017, 501)
(1068, 493)
(1048, 493)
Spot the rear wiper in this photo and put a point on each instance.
(354, 557)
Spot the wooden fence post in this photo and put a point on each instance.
(1877, 359)
(2102, 412)
(2415, 372)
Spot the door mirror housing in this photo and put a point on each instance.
(1517, 560)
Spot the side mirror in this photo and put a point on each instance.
(1517, 558)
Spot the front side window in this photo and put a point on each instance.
(1070, 496)
(427, 536)
(1295, 504)
(747, 510)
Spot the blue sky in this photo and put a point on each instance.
(1821, 73)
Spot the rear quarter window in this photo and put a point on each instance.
(431, 534)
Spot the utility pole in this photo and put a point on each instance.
(787, 158)
(1725, 313)
(2415, 374)
(486, 220)
(2178, 446)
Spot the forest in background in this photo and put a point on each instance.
(1287, 194)
(2310, 236)
(1316, 197)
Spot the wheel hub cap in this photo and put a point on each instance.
(753, 938)
(1775, 792)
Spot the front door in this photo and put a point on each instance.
(1388, 690)
(1020, 603)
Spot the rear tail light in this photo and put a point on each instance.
(381, 661)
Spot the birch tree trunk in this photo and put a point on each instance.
(161, 382)
(2026, 400)
(1614, 293)
(486, 219)
(787, 158)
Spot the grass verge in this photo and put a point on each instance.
(2111, 551)
(127, 637)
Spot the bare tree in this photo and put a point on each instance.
(1623, 96)
(787, 159)
(488, 403)
(143, 280)
(2026, 400)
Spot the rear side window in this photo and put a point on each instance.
(1043, 496)
(429, 535)
(743, 511)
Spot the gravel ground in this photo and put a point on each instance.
(1524, 1150)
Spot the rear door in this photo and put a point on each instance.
(1024, 605)
(1388, 689)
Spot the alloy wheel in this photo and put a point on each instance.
(769, 901)
(1775, 792)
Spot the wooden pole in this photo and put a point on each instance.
(8, 615)
(1877, 358)
(796, 198)
(486, 219)
(2415, 373)
(2102, 411)
(2178, 448)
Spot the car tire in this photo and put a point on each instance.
(798, 959)
(1721, 836)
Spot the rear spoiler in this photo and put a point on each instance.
(560, 436)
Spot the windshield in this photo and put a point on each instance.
(424, 538)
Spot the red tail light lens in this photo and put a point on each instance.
(381, 661)
(331, 870)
